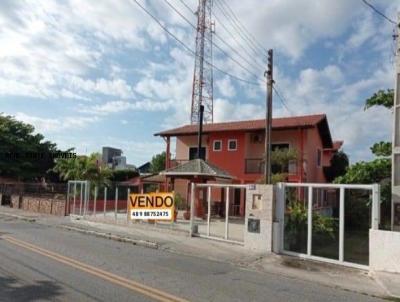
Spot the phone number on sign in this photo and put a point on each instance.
(151, 214)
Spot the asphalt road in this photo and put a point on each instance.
(44, 263)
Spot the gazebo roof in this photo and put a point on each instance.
(197, 167)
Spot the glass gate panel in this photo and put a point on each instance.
(357, 222)
(296, 219)
(325, 222)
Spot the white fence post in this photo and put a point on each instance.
(73, 207)
(95, 201)
(80, 201)
(116, 204)
(309, 221)
(209, 210)
(68, 197)
(87, 197)
(280, 215)
(105, 201)
(376, 206)
(127, 205)
(341, 224)
(226, 213)
(192, 190)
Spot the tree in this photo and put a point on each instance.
(83, 168)
(382, 149)
(157, 163)
(378, 170)
(280, 159)
(381, 98)
(24, 155)
(338, 166)
(123, 175)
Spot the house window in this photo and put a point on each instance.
(256, 138)
(193, 153)
(319, 157)
(232, 145)
(217, 145)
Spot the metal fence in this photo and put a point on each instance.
(108, 204)
(328, 222)
(217, 211)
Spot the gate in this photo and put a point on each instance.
(217, 211)
(78, 193)
(327, 222)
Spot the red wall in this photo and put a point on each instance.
(230, 161)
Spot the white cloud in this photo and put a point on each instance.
(364, 29)
(227, 111)
(326, 91)
(122, 106)
(225, 87)
(291, 27)
(54, 125)
(114, 87)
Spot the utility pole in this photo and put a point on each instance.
(396, 140)
(268, 119)
(200, 134)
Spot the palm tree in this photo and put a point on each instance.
(83, 168)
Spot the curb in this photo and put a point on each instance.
(29, 219)
(138, 242)
(383, 286)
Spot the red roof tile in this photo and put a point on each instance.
(277, 123)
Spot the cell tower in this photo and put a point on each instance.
(202, 92)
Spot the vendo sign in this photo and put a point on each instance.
(155, 206)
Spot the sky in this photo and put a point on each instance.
(99, 73)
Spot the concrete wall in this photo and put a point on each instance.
(45, 205)
(259, 209)
(384, 251)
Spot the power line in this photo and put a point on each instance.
(187, 6)
(249, 34)
(187, 48)
(234, 37)
(237, 28)
(223, 41)
(282, 99)
(378, 12)
(216, 45)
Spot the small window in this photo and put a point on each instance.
(319, 157)
(232, 145)
(217, 145)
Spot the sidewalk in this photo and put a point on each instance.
(177, 241)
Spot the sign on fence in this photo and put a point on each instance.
(157, 206)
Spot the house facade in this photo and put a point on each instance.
(238, 147)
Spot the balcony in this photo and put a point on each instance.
(256, 166)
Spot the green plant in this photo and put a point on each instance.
(179, 201)
(83, 168)
(280, 159)
(157, 163)
(296, 221)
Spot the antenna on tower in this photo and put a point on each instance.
(202, 91)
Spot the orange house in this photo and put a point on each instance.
(238, 147)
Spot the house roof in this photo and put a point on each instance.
(197, 167)
(306, 121)
(337, 145)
